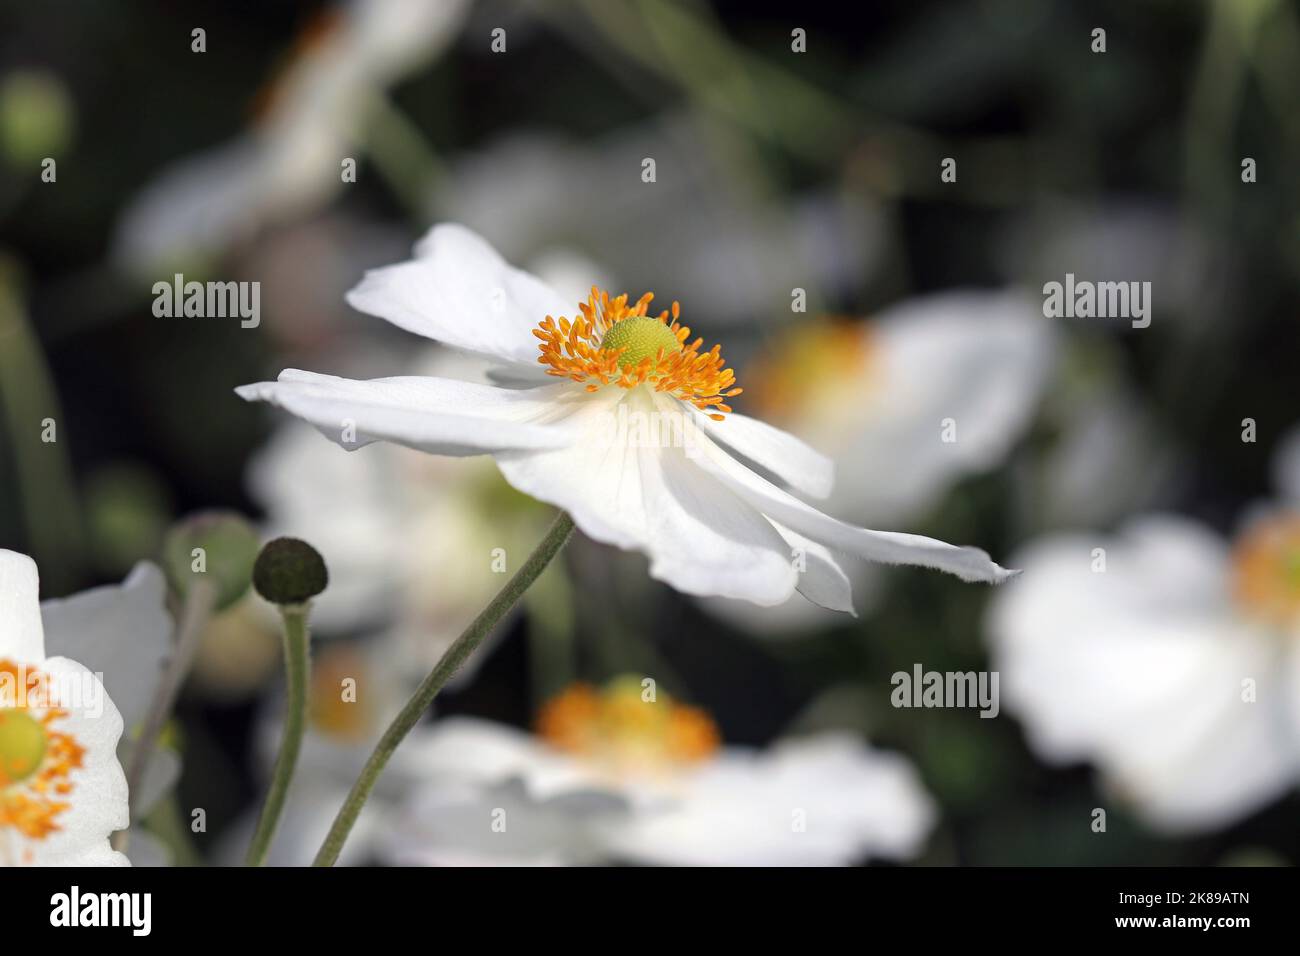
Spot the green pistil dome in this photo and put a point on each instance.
(641, 337)
(22, 745)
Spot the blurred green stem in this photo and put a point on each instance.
(297, 664)
(196, 611)
(31, 407)
(556, 537)
(551, 647)
(403, 156)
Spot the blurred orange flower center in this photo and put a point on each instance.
(336, 709)
(36, 758)
(1266, 568)
(626, 728)
(809, 368)
(612, 343)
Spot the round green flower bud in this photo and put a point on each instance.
(289, 571)
(217, 546)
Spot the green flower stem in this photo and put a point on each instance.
(297, 664)
(456, 655)
(196, 611)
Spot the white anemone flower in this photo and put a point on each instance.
(1166, 656)
(62, 790)
(635, 440)
(621, 774)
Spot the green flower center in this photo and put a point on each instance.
(22, 745)
(641, 338)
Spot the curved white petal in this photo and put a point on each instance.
(21, 636)
(821, 579)
(798, 465)
(436, 415)
(121, 632)
(888, 547)
(1139, 668)
(458, 290)
(822, 801)
(651, 496)
(98, 801)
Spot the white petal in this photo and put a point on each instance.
(458, 290)
(888, 547)
(21, 637)
(121, 632)
(821, 579)
(436, 415)
(481, 753)
(785, 456)
(1139, 669)
(98, 802)
(822, 801)
(652, 497)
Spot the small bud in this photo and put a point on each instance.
(289, 571)
(219, 546)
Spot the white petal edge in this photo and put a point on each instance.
(120, 632)
(739, 809)
(886, 547)
(821, 580)
(458, 290)
(21, 634)
(99, 797)
(797, 464)
(436, 415)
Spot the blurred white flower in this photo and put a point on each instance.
(313, 117)
(1121, 239)
(664, 484)
(356, 690)
(697, 222)
(62, 788)
(906, 404)
(618, 774)
(1166, 656)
